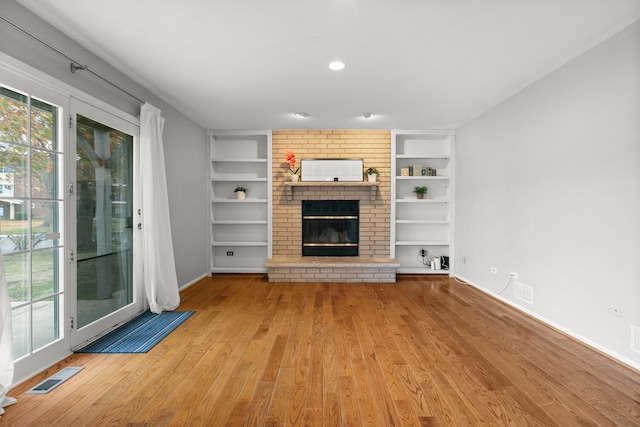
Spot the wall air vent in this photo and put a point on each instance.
(635, 338)
(523, 292)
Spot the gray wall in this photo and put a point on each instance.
(184, 141)
(548, 186)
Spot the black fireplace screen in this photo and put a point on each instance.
(330, 227)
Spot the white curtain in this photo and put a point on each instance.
(6, 341)
(158, 270)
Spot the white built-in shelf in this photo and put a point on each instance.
(422, 224)
(223, 270)
(238, 243)
(420, 270)
(240, 229)
(238, 222)
(422, 177)
(402, 156)
(422, 221)
(422, 243)
(416, 200)
(247, 200)
(237, 177)
(239, 160)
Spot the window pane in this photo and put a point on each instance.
(43, 125)
(45, 224)
(13, 126)
(104, 219)
(45, 321)
(21, 329)
(17, 271)
(44, 174)
(14, 226)
(44, 280)
(14, 161)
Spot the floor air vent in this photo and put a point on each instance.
(55, 380)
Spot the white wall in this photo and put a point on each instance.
(184, 141)
(548, 186)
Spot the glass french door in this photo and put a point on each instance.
(66, 205)
(32, 209)
(105, 295)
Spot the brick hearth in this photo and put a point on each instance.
(331, 269)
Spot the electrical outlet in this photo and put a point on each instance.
(423, 253)
(616, 310)
(464, 260)
(494, 270)
(514, 275)
(229, 253)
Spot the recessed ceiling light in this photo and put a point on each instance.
(367, 115)
(301, 115)
(337, 65)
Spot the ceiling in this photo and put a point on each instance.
(417, 64)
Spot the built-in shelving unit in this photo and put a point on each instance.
(240, 229)
(422, 224)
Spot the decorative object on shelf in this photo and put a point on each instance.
(241, 192)
(444, 262)
(420, 191)
(291, 163)
(404, 172)
(417, 170)
(372, 174)
(431, 172)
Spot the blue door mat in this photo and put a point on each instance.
(55, 380)
(140, 334)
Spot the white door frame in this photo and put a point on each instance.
(78, 337)
(25, 78)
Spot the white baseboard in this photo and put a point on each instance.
(620, 358)
(193, 282)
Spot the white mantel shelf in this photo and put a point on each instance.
(289, 186)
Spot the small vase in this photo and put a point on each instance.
(372, 177)
(295, 177)
(420, 195)
(240, 195)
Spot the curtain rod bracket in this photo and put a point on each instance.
(75, 67)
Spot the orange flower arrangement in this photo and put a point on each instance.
(291, 161)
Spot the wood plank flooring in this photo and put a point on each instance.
(426, 351)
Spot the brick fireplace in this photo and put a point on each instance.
(373, 264)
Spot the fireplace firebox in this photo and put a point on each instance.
(330, 227)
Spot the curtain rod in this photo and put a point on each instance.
(75, 65)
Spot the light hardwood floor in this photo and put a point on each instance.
(426, 351)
